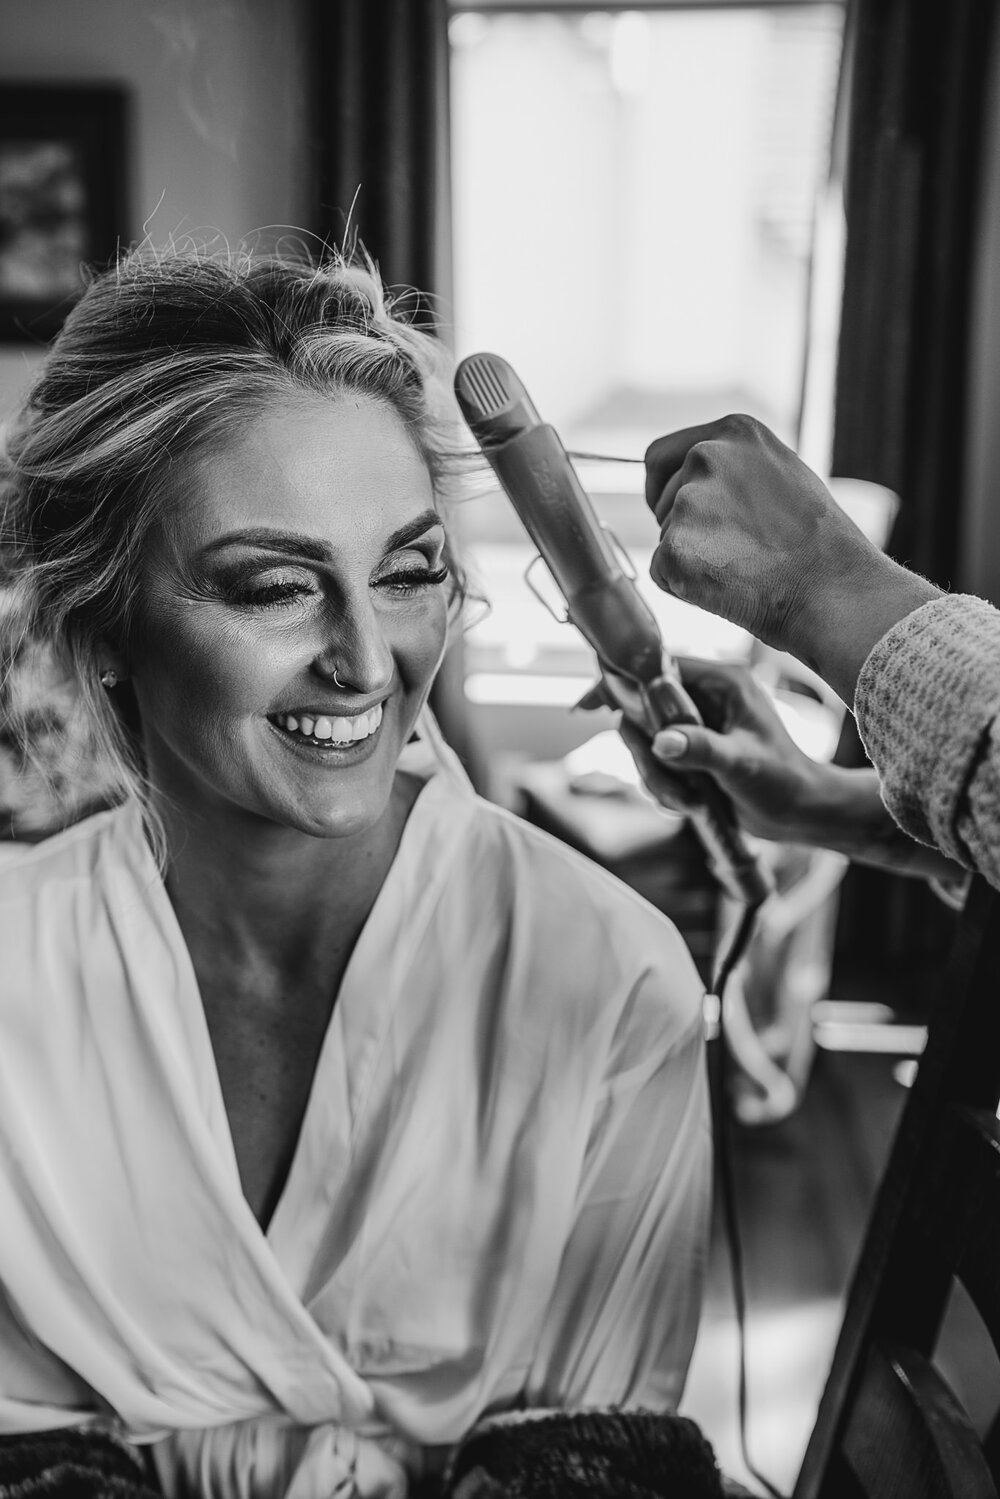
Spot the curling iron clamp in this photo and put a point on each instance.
(601, 599)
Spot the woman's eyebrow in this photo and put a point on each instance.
(413, 529)
(293, 544)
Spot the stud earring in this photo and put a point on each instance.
(109, 678)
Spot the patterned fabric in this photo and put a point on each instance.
(928, 710)
(592, 1455)
(72, 1465)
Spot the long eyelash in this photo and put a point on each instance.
(415, 578)
(270, 593)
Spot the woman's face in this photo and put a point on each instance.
(308, 545)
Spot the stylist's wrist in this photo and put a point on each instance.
(843, 811)
(816, 807)
(843, 614)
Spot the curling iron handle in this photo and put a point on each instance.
(730, 858)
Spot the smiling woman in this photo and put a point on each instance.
(338, 1109)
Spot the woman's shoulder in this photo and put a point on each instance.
(490, 843)
(555, 882)
(59, 900)
(74, 856)
(571, 929)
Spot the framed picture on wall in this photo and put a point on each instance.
(62, 198)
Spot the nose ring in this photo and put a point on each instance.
(337, 679)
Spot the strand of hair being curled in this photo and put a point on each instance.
(166, 355)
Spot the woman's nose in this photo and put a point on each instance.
(357, 650)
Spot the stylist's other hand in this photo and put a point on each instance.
(749, 532)
(777, 791)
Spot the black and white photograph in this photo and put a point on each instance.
(499, 749)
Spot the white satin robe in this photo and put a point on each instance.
(499, 1195)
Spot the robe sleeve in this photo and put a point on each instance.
(621, 1325)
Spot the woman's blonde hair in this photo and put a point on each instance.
(163, 357)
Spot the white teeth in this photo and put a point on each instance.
(339, 730)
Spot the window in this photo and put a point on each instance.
(635, 198)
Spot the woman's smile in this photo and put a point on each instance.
(327, 740)
(338, 732)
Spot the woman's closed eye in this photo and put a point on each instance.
(273, 588)
(411, 579)
(269, 589)
(409, 570)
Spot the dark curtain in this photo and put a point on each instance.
(381, 112)
(915, 135)
(381, 169)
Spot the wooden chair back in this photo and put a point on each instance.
(889, 1424)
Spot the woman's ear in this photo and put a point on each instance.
(111, 664)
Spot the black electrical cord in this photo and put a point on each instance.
(731, 956)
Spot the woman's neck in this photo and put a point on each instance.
(270, 918)
(270, 894)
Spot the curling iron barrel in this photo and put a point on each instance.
(601, 600)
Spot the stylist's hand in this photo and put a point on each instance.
(749, 532)
(777, 791)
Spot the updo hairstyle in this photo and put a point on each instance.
(164, 357)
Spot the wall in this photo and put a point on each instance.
(218, 131)
(979, 555)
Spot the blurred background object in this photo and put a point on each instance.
(51, 770)
(62, 197)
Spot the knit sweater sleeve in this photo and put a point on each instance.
(928, 710)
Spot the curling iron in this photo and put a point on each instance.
(601, 599)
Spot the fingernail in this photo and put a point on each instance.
(669, 744)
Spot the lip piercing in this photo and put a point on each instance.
(337, 680)
(109, 678)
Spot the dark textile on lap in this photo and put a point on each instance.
(72, 1465)
(593, 1455)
